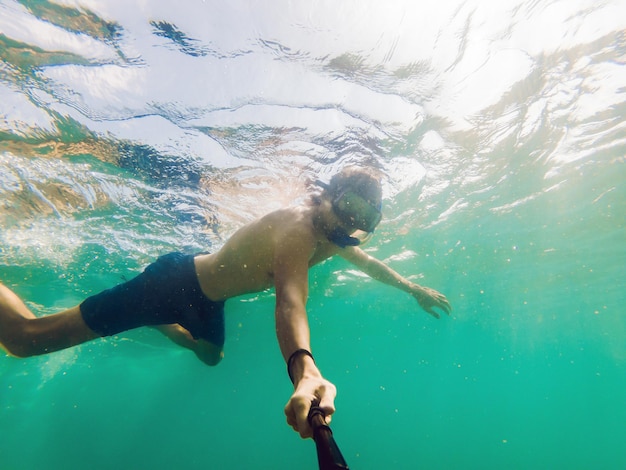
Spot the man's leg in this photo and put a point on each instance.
(22, 334)
(206, 351)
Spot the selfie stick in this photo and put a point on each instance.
(328, 454)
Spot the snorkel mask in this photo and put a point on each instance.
(355, 211)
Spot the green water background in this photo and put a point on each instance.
(519, 220)
(528, 372)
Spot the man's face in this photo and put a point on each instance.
(356, 211)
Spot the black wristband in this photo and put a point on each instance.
(295, 354)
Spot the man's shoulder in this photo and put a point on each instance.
(290, 218)
(292, 222)
(290, 211)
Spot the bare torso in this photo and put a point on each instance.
(245, 263)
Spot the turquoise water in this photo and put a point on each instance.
(128, 130)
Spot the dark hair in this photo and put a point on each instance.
(363, 181)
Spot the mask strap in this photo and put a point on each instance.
(322, 185)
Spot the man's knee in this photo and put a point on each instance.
(20, 348)
(22, 340)
(209, 353)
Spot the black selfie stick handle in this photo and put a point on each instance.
(328, 454)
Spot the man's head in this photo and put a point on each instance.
(355, 195)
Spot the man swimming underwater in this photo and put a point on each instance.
(184, 295)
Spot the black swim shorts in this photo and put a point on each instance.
(166, 292)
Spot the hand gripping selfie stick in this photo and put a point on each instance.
(328, 454)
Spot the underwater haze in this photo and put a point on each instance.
(129, 129)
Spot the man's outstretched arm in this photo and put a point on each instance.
(291, 259)
(427, 298)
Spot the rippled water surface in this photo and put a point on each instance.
(129, 129)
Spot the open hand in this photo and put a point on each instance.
(429, 299)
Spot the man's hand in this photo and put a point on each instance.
(429, 299)
(308, 390)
